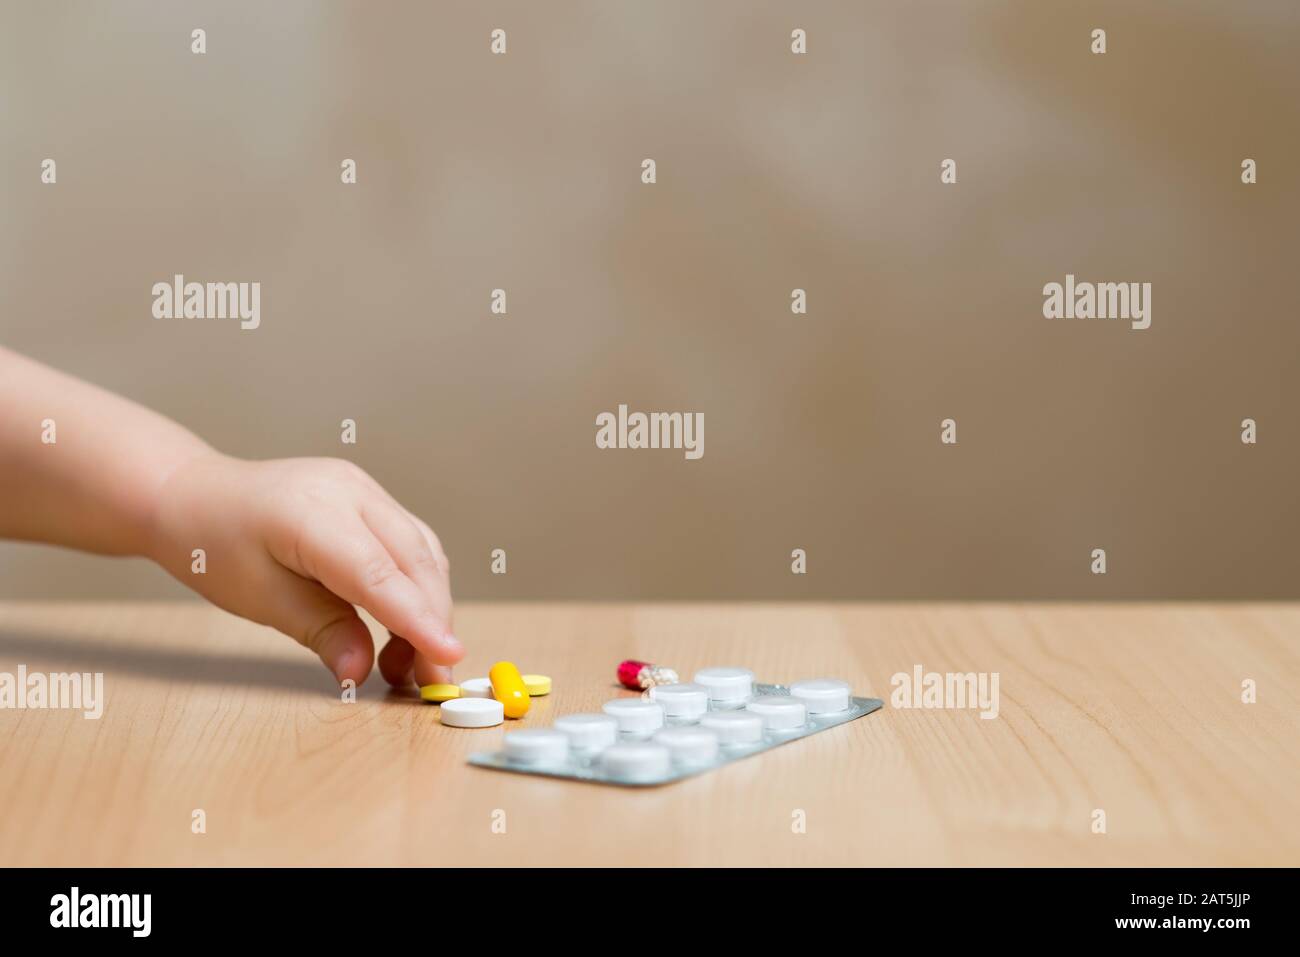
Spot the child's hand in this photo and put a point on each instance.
(295, 543)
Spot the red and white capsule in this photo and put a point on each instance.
(640, 675)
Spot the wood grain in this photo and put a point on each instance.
(1135, 709)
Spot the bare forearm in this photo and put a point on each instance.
(80, 466)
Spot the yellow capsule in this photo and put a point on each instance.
(537, 685)
(508, 687)
(439, 693)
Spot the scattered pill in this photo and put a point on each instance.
(439, 692)
(734, 727)
(634, 716)
(588, 732)
(476, 688)
(689, 746)
(636, 762)
(537, 685)
(726, 685)
(681, 700)
(537, 746)
(508, 687)
(779, 712)
(472, 712)
(822, 695)
(639, 675)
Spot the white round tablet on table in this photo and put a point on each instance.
(689, 746)
(681, 700)
(476, 688)
(779, 712)
(635, 716)
(536, 746)
(726, 685)
(636, 762)
(588, 732)
(822, 695)
(472, 712)
(734, 727)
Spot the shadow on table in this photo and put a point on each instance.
(54, 653)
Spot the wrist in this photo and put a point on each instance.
(158, 538)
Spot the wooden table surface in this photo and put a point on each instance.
(1132, 709)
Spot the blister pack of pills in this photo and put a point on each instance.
(678, 730)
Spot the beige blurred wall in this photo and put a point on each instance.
(774, 171)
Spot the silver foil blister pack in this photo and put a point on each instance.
(579, 764)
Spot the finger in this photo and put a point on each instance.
(321, 621)
(396, 661)
(435, 545)
(426, 672)
(339, 551)
(413, 551)
(419, 555)
(430, 673)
